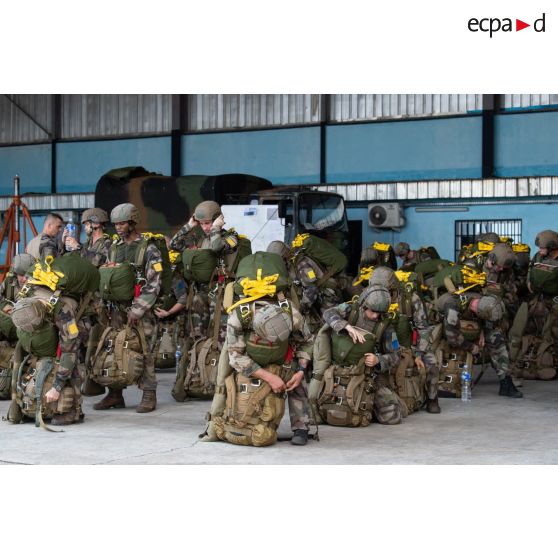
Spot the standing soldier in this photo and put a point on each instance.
(97, 247)
(48, 243)
(137, 312)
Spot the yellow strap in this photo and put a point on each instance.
(365, 274)
(299, 240)
(381, 246)
(173, 256)
(520, 247)
(485, 247)
(256, 288)
(403, 276)
(46, 277)
(394, 308)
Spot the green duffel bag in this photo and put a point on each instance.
(323, 252)
(117, 282)
(70, 273)
(256, 273)
(42, 342)
(199, 265)
(428, 268)
(7, 327)
(458, 277)
(543, 277)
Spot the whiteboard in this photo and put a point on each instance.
(260, 223)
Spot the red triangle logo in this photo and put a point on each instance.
(519, 25)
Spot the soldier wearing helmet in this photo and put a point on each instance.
(367, 323)
(409, 257)
(16, 276)
(98, 243)
(412, 316)
(471, 322)
(127, 247)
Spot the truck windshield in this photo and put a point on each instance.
(321, 212)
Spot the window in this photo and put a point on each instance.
(467, 232)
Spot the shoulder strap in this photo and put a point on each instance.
(140, 251)
(112, 252)
(353, 316)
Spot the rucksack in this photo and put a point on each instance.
(458, 279)
(233, 259)
(409, 381)
(69, 274)
(429, 251)
(428, 268)
(117, 281)
(119, 359)
(331, 259)
(543, 277)
(167, 341)
(199, 264)
(42, 343)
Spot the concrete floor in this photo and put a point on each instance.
(489, 430)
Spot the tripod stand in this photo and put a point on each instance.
(11, 227)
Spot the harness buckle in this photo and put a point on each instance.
(337, 380)
(339, 401)
(105, 372)
(452, 356)
(256, 383)
(243, 388)
(125, 345)
(212, 362)
(449, 380)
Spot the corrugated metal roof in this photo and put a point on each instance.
(350, 108)
(529, 100)
(108, 115)
(25, 118)
(52, 202)
(215, 112)
(447, 189)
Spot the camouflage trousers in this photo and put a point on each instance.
(496, 347)
(198, 322)
(432, 374)
(387, 406)
(299, 408)
(543, 320)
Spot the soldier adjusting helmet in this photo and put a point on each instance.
(95, 215)
(207, 211)
(273, 324)
(21, 263)
(402, 249)
(490, 308)
(547, 239)
(125, 212)
(375, 298)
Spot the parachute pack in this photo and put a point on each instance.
(332, 260)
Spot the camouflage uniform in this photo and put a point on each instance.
(142, 305)
(50, 247)
(384, 397)
(495, 341)
(299, 410)
(9, 288)
(97, 252)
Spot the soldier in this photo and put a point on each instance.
(487, 312)
(410, 258)
(411, 308)
(138, 312)
(48, 243)
(30, 312)
(374, 340)
(16, 278)
(96, 250)
(500, 280)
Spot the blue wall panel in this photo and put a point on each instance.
(438, 228)
(31, 162)
(414, 150)
(290, 156)
(81, 164)
(526, 144)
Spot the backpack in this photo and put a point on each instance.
(42, 343)
(199, 264)
(427, 269)
(331, 259)
(543, 277)
(535, 360)
(69, 274)
(118, 360)
(451, 363)
(233, 259)
(34, 377)
(429, 251)
(409, 381)
(167, 342)
(458, 279)
(117, 281)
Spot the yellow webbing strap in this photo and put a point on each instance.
(472, 278)
(298, 242)
(403, 276)
(365, 274)
(155, 236)
(173, 256)
(520, 247)
(46, 277)
(381, 247)
(256, 288)
(484, 247)
(506, 239)
(394, 308)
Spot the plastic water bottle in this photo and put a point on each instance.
(177, 354)
(465, 384)
(71, 230)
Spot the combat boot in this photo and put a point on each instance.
(113, 399)
(508, 389)
(432, 406)
(300, 437)
(65, 419)
(148, 401)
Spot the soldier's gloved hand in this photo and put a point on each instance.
(370, 359)
(355, 334)
(295, 381)
(52, 395)
(219, 222)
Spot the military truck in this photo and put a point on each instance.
(166, 203)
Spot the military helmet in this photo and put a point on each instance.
(503, 255)
(207, 211)
(489, 237)
(369, 256)
(547, 239)
(28, 314)
(385, 277)
(490, 308)
(402, 249)
(522, 261)
(280, 248)
(95, 215)
(272, 323)
(125, 212)
(21, 263)
(375, 298)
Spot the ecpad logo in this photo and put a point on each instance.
(494, 24)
